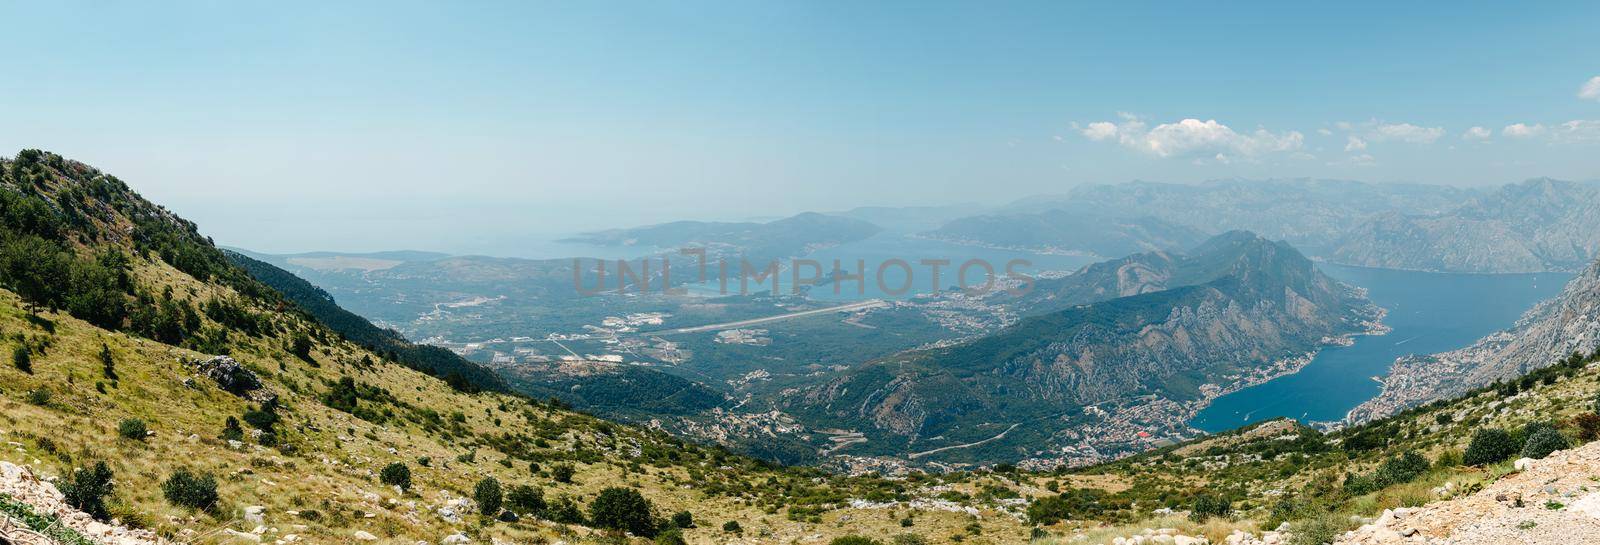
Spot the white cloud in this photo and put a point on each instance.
(1477, 133)
(1355, 143)
(1101, 130)
(1193, 138)
(1577, 130)
(1522, 130)
(1406, 132)
(1590, 89)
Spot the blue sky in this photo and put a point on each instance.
(477, 127)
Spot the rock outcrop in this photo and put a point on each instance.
(20, 484)
(1554, 501)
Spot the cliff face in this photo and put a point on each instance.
(1537, 225)
(1238, 305)
(1546, 334)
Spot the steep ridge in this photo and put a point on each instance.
(160, 386)
(1239, 308)
(1553, 330)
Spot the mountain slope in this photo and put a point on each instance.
(1568, 324)
(458, 372)
(293, 427)
(1537, 225)
(1250, 308)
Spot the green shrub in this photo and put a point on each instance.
(671, 536)
(396, 474)
(86, 490)
(1317, 530)
(562, 473)
(683, 519)
(1489, 445)
(185, 489)
(132, 428)
(526, 500)
(854, 540)
(231, 430)
(913, 539)
(1543, 442)
(1401, 469)
(564, 510)
(22, 359)
(488, 496)
(732, 527)
(619, 508)
(1359, 485)
(1207, 506)
(39, 396)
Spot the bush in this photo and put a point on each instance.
(1318, 530)
(488, 496)
(132, 428)
(1489, 445)
(732, 527)
(619, 508)
(914, 539)
(562, 473)
(86, 490)
(39, 396)
(1588, 426)
(671, 536)
(526, 500)
(1543, 442)
(396, 474)
(1207, 506)
(231, 430)
(300, 346)
(564, 510)
(1359, 485)
(22, 359)
(185, 489)
(854, 540)
(683, 519)
(1401, 469)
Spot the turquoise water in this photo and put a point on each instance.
(1429, 312)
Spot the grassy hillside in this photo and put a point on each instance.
(313, 427)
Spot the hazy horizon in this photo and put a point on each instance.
(484, 128)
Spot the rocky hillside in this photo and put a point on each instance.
(164, 391)
(1555, 329)
(1238, 309)
(1537, 225)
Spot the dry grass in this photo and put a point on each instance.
(334, 470)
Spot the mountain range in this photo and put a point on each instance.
(1532, 226)
(1151, 333)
